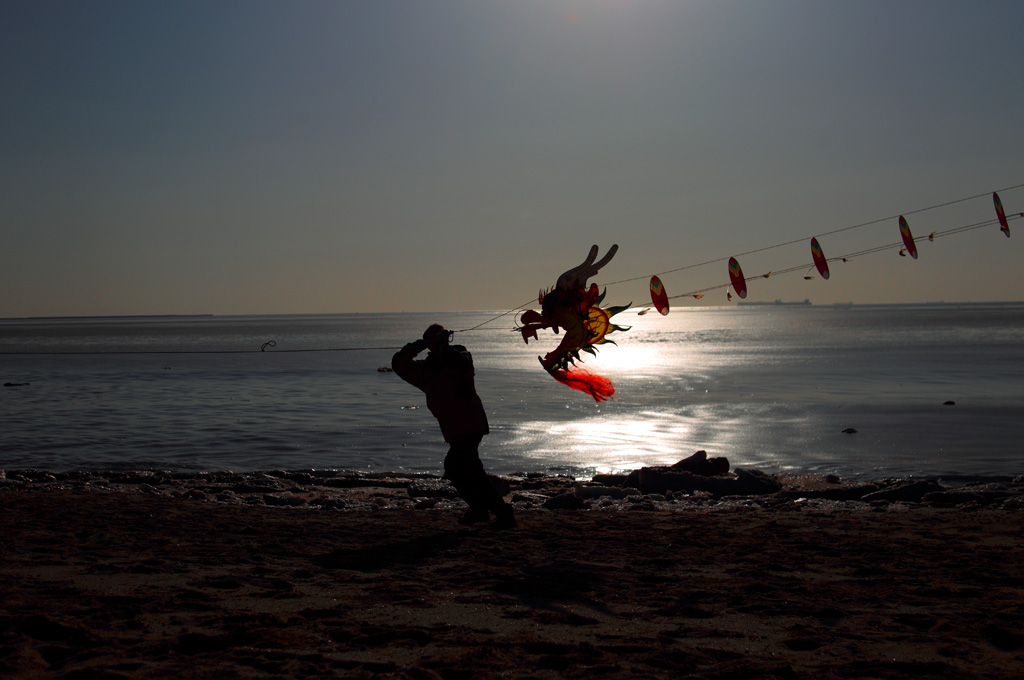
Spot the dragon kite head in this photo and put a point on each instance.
(575, 308)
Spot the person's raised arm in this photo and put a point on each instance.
(404, 364)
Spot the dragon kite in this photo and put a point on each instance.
(576, 309)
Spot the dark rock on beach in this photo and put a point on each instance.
(909, 492)
(700, 464)
(714, 480)
(611, 480)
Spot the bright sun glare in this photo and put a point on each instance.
(607, 445)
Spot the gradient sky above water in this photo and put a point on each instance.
(256, 157)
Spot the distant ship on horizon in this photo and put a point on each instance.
(806, 301)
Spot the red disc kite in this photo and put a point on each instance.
(908, 239)
(658, 296)
(999, 213)
(736, 275)
(819, 258)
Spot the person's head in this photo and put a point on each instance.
(436, 336)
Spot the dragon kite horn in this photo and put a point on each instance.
(576, 277)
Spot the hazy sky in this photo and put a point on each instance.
(238, 157)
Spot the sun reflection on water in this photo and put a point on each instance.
(603, 444)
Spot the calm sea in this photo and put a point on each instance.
(775, 387)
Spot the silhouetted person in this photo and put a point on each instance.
(446, 377)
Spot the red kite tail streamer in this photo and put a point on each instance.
(599, 387)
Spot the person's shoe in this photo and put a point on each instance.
(505, 519)
(474, 515)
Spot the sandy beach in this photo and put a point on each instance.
(284, 575)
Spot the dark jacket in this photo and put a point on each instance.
(446, 378)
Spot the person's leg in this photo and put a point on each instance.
(466, 473)
(458, 469)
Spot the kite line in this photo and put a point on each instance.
(841, 258)
(735, 282)
(827, 233)
(804, 267)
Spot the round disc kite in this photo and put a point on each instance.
(908, 240)
(1002, 215)
(819, 258)
(736, 275)
(658, 296)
